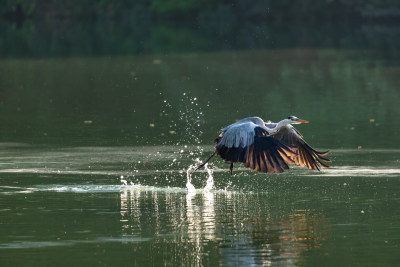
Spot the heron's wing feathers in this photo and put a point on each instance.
(237, 135)
(306, 155)
(253, 146)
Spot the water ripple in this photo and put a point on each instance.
(62, 243)
(363, 171)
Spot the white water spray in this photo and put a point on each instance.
(210, 180)
(189, 184)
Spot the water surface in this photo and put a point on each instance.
(131, 205)
(94, 154)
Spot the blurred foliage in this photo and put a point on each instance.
(254, 9)
(104, 27)
(109, 37)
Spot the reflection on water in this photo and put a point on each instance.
(185, 99)
(130, 212)
(200, 224)
(64, 243)
(186, 223)
(240, 234)
(299, 217)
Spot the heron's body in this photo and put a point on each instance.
(266, 146)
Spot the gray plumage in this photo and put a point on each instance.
(266, 146)
(241, 133)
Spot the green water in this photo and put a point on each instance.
(94, 153)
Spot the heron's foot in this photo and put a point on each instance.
(231, 168)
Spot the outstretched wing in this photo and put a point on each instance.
(306, 155)
(249, 143)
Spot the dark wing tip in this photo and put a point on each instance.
(306, 155)
(312, 158)
(322, 153)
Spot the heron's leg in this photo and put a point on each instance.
(231, 168)
(204, 163)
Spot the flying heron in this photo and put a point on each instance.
(266, 146)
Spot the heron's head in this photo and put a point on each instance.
(295, 120)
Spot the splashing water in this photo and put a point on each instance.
(190, 187)
(192, 115)
(210, 180)
(184, 113)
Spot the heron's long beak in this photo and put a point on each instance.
(301, 121)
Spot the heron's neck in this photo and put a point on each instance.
(278, 126)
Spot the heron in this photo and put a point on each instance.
(266, 146)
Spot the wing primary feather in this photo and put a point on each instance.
(257, 162)
(272, 162)
(323, 158)
(285, 157)
(281, 161)
(264, 163)
(322, 164)
(306, 155)
(322, 153)
(277, 168)
(268, 162)
(253, 157)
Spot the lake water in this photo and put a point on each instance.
(95, 153)
(131, 206)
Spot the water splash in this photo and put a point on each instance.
(183, 117)
(190, 187)
(123, 181)
(210, 180)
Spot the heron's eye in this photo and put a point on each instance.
(290, 117)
